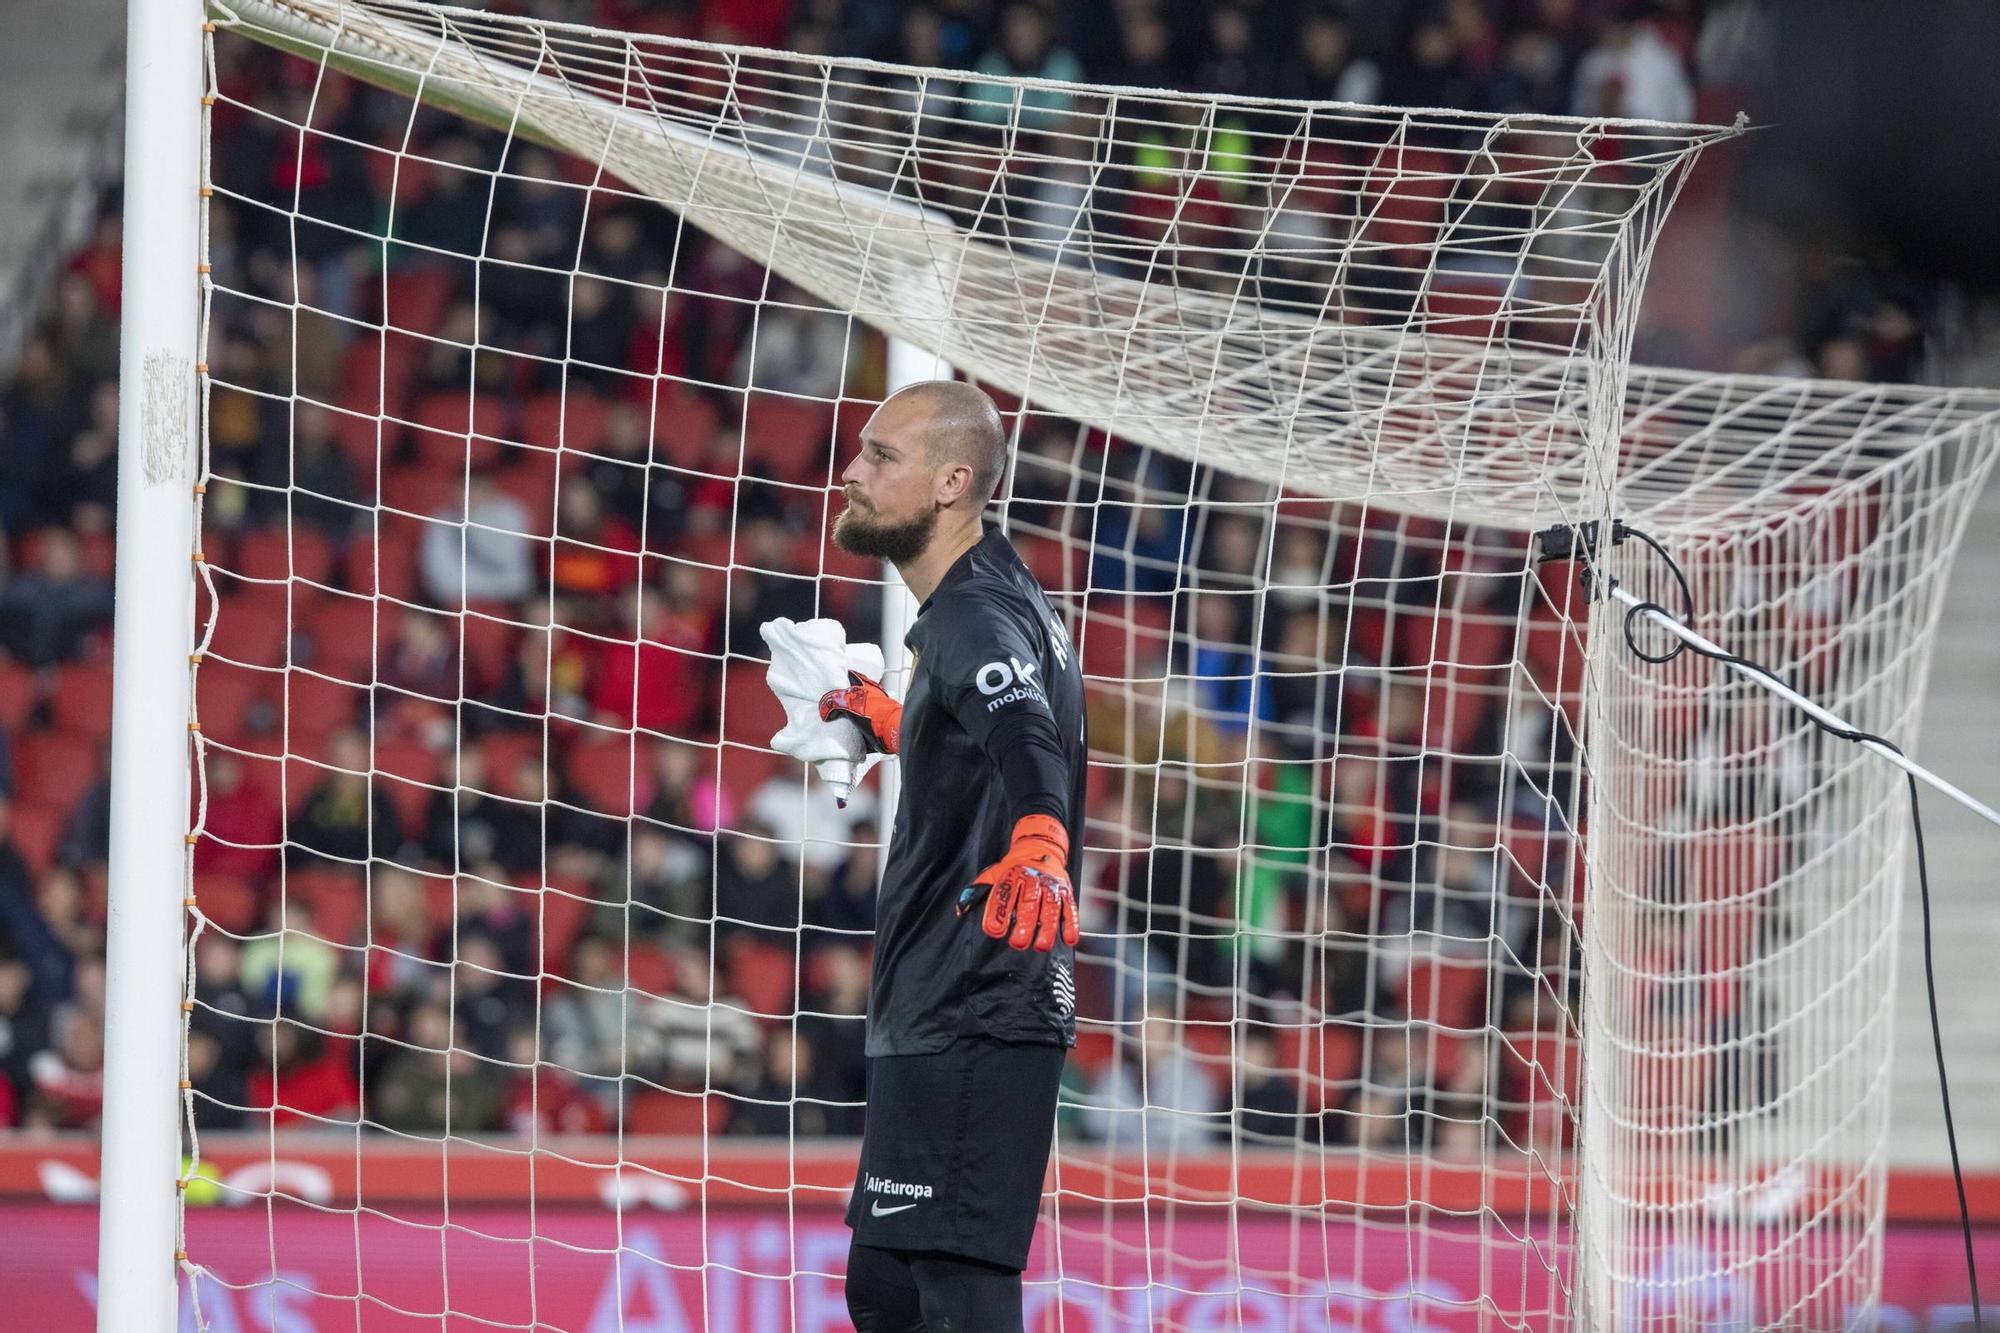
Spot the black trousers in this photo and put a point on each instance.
(916, 1291)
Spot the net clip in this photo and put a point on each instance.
(1580, 542)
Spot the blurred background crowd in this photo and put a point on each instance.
(524, 863)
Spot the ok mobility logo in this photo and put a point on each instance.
(1011, 681)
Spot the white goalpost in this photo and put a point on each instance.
(1445, 964)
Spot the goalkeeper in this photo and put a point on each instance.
(970, 1008)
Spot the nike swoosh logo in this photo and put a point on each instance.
(877, 1210)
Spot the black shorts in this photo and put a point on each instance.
(954, 1149)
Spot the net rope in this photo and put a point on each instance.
(1290, 387)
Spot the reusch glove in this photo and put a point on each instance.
(871, 707)
(1028, 895)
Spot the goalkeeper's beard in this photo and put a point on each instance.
(898, 543)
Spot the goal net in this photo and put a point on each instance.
(526, 980)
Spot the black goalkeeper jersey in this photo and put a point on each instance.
(994, 669)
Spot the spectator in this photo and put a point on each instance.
(1155, 1095)
(222, 1033)
(479, 552)
(490, 1001)
(1323, 68)
(830, 1021)
(67, 1080)
(86, 835)
(423, 660)
(449, 217)
(706, 1040)
(244, 826)
(628, 475)
(671, 880)
(1386, 1110)
(27, 933)
(469, 824)
(843, 902)
(687, 798)
(766, 587)
(600, 332)
(24, 1031)
(487, 907)
(313, 483)
(1269, 1103)
(545, 1098)
(802, 814)
(653, 678)
(42, 408)
(290, 971)
(1026, 49)
(1632, 72)
(914, 99)
(400, 954)
(757, 894)
(596, 554)
(435, 1085)
(48, 612)
(591, 1025)
(790, 1097)
(797, 349)
(221, 1087)
(346, 817)
(86, 483)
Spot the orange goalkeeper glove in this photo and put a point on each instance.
(871, 708)
(1028, 894)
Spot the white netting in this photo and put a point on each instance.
(507, 464)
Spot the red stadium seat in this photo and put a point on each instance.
(230, 901)
(81, 698)
(751, 714)
(650, 969)
(504, 752)
(20, 691)
(423, 489)
(55, 768)
(349, 635)
(407, 772)
(765, 976)
(413, 299)
(1448, 993)
(253, 625)
(744, 770)
(385, 562)
(335, 899)
(316, 707)
(35, 830)
(604, 770)
(683, 423)
(575, 421)
(449, 435)
(487, 644)
(787, 438)
(686, 1114)
(225, 695)
(1325, 1056)
(563, 911)
(299, 552)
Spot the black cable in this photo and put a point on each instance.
(1620, 531)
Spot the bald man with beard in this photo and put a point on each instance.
(972, 997)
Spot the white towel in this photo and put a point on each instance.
(807, 660)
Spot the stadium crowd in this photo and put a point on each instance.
(434, 848)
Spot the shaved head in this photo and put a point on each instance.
(962, 426)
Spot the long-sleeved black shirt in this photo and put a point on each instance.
(993, 729)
